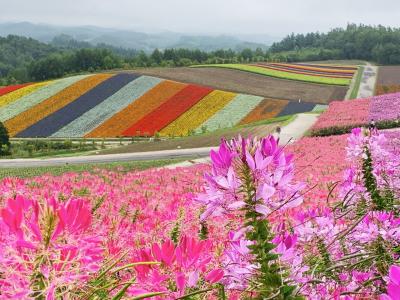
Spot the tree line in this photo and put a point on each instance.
(372, 43)
(25, 59)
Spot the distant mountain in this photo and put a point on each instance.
(132, 39)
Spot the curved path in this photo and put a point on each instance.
(289, 133)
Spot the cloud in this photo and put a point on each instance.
(206, 16)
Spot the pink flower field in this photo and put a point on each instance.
(385, 107)
(254, 224)
(341, 116)
(344, 114)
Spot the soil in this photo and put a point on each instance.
(253, 84)
(205, 140)
(389, 75)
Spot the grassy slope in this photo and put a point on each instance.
(59, 170)
(281, 74)
(357, 83)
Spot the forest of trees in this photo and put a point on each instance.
(25, 59)
(373, 43)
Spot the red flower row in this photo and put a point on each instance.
(168, 111)
(11, 88)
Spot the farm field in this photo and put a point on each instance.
(126, 105)
(313, 74)
(251, 83)
(330, 71)
(388, 80)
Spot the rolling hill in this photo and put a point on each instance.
(130, 104)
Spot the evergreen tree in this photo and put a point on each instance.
(4, 140)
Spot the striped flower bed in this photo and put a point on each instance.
(49, 106)
(54, 122)
(168, 111)
(11, 88)
(24, 103)
(135, 111)
(198, 114)
(267, 109)
(281, 74)
(232, 113)
(98, 114)
(15, 95)
(316, 68)
(126, 104)
(304, 72)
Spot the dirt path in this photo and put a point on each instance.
(368, 81)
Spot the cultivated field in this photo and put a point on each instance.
(253, 84)
(126, 104)
(336, 75)
(388, 80)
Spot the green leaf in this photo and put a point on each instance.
(148, 295)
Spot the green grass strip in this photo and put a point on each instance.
(59, 170)
(357, 83)
(281, 74)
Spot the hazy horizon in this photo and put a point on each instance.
(255, 17)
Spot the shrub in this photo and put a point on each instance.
(4, 140)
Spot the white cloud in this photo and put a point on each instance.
(206, 16)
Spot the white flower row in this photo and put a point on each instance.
(232, 113)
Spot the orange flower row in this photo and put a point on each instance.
(267, 109)
(135, 111)
(316, 68)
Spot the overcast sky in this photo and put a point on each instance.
(206, 16)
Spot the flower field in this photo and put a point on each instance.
(199, 113)
(127, 104)
(268, 108)
(232, 113)
(340, 117)
(52, 104)
(135, 111)
(314, 74)
(20, 92)
(24, 103)
(311, 70)
(11, 88)
(54, 122)
(168, 111)
(174, 234)
(122, 98)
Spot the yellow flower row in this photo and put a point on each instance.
(198, 114)
(17, 94)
